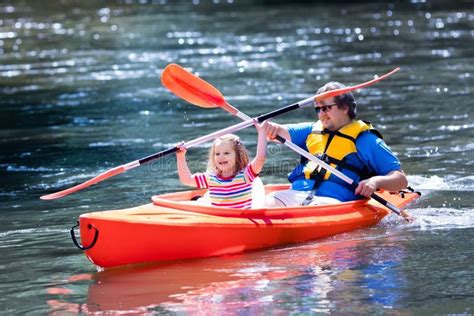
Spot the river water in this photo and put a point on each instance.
(81, 93)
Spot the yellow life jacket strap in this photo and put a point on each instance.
(334, 146)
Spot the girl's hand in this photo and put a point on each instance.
(181, 149)
(260, 126)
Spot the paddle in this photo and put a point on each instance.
(122, 168)
(205, 97)
(199, 92)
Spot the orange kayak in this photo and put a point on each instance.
(175, 227)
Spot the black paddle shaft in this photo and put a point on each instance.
(158, 155)
(284, 110)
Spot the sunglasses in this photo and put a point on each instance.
(324, 108)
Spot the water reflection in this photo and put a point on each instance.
(340, 274)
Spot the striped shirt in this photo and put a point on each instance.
(235, 192)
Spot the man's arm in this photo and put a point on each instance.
(394, 181)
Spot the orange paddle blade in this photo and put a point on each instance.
(336, 92)
(193, 89)
(101, 177)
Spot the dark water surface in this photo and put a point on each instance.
(81, 93)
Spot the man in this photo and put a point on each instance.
(352, 146)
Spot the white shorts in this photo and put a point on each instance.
(296, 198)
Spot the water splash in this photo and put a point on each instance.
(443, 218)
(437, 183)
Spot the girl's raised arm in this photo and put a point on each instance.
(259, 160)
(185, 175)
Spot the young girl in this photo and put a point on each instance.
(229, 174)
